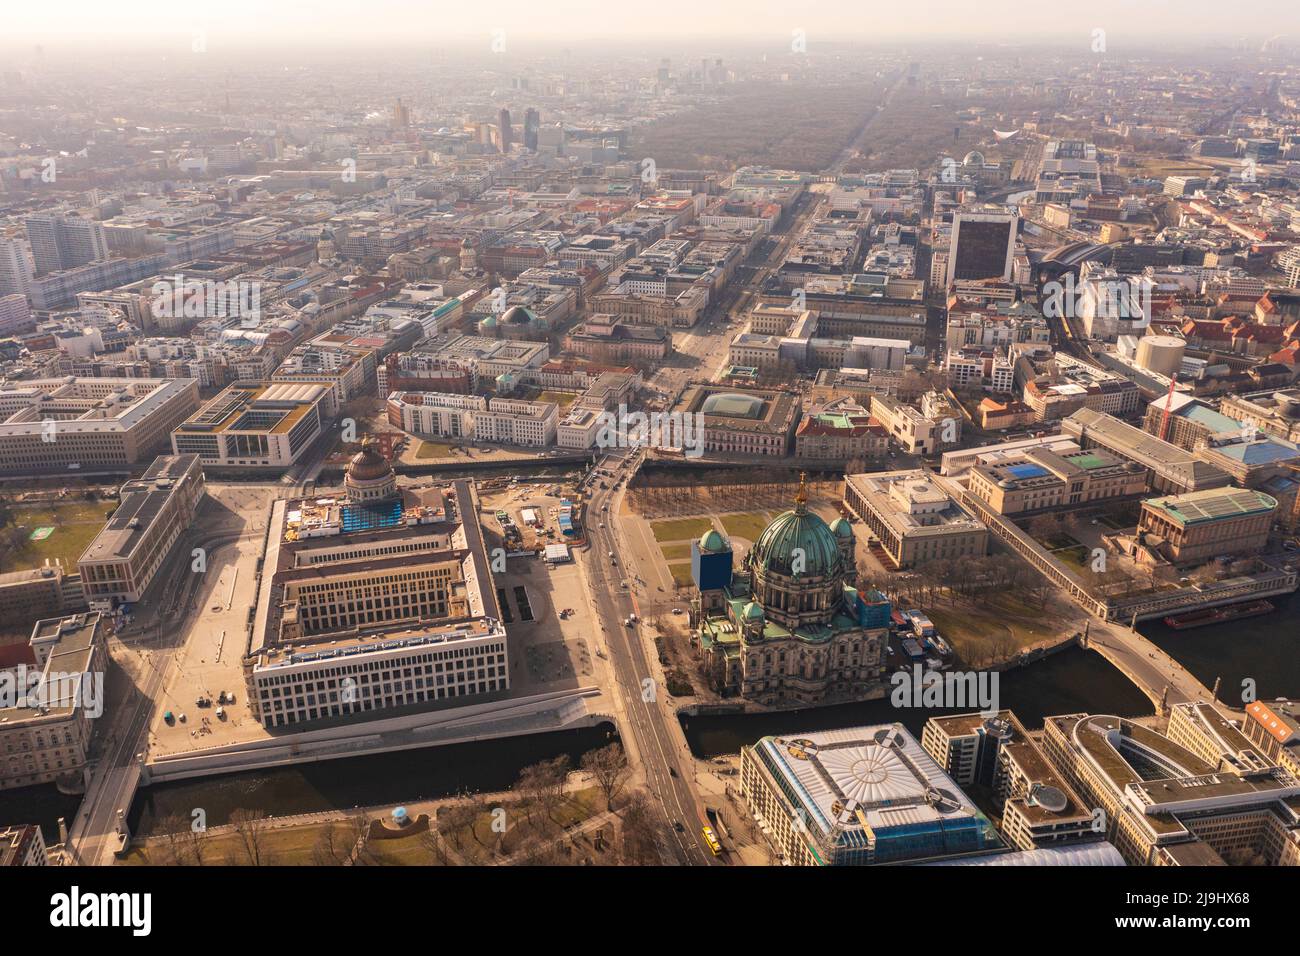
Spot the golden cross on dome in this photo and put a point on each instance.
(801, 496)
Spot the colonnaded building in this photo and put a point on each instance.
(791, 626)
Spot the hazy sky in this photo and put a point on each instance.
(236, 24)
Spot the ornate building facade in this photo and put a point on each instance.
(791, 626)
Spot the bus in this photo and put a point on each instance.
(711, 841)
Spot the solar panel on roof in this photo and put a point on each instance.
(1028, 471)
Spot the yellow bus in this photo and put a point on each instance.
(711, 840)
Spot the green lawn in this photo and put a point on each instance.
(680, 529)
(75, 526)
(433, 449)
(563, 399)
(1077, 556)
(748, 525)
(675, 552)
(967, 628)
(283, 846)
(410, 850)
(681, 573)
(475, 842)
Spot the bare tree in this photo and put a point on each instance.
(639, 847)
(609, 767)
(250, 831)
(332, 847)
(175, 845)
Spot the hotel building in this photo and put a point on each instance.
(152, 514)
(1039, 809)
(1274, 727)
(23, 846)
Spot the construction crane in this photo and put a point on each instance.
(1169, 404)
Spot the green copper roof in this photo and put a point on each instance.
(711, 540)
(799, 543)
(842, 528)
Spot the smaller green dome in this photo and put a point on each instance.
(712, 541)
(489, 323)
(842, 528)
(753, 612)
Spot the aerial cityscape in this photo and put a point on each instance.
(641, 441)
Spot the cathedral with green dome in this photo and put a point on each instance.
(791, 624)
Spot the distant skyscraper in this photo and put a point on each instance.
(532, 121)
(64, 242)
(401, 114)
(503, 125)
(982, 246)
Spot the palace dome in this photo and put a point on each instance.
(842, 528)
(368, 465)
(796, 532)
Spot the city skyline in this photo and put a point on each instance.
(626, 439)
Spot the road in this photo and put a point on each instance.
(659, 746)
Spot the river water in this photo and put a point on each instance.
(1067, 682)
(1265, 649)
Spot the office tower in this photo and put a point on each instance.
(532, 121)
(982, 246)
(15, 268)
(64, 242)
(401, 114)
(15, 316)
(503, 125)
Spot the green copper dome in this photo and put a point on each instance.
(793, 534)
(753, 611)
(712, 541)
(842, 528)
